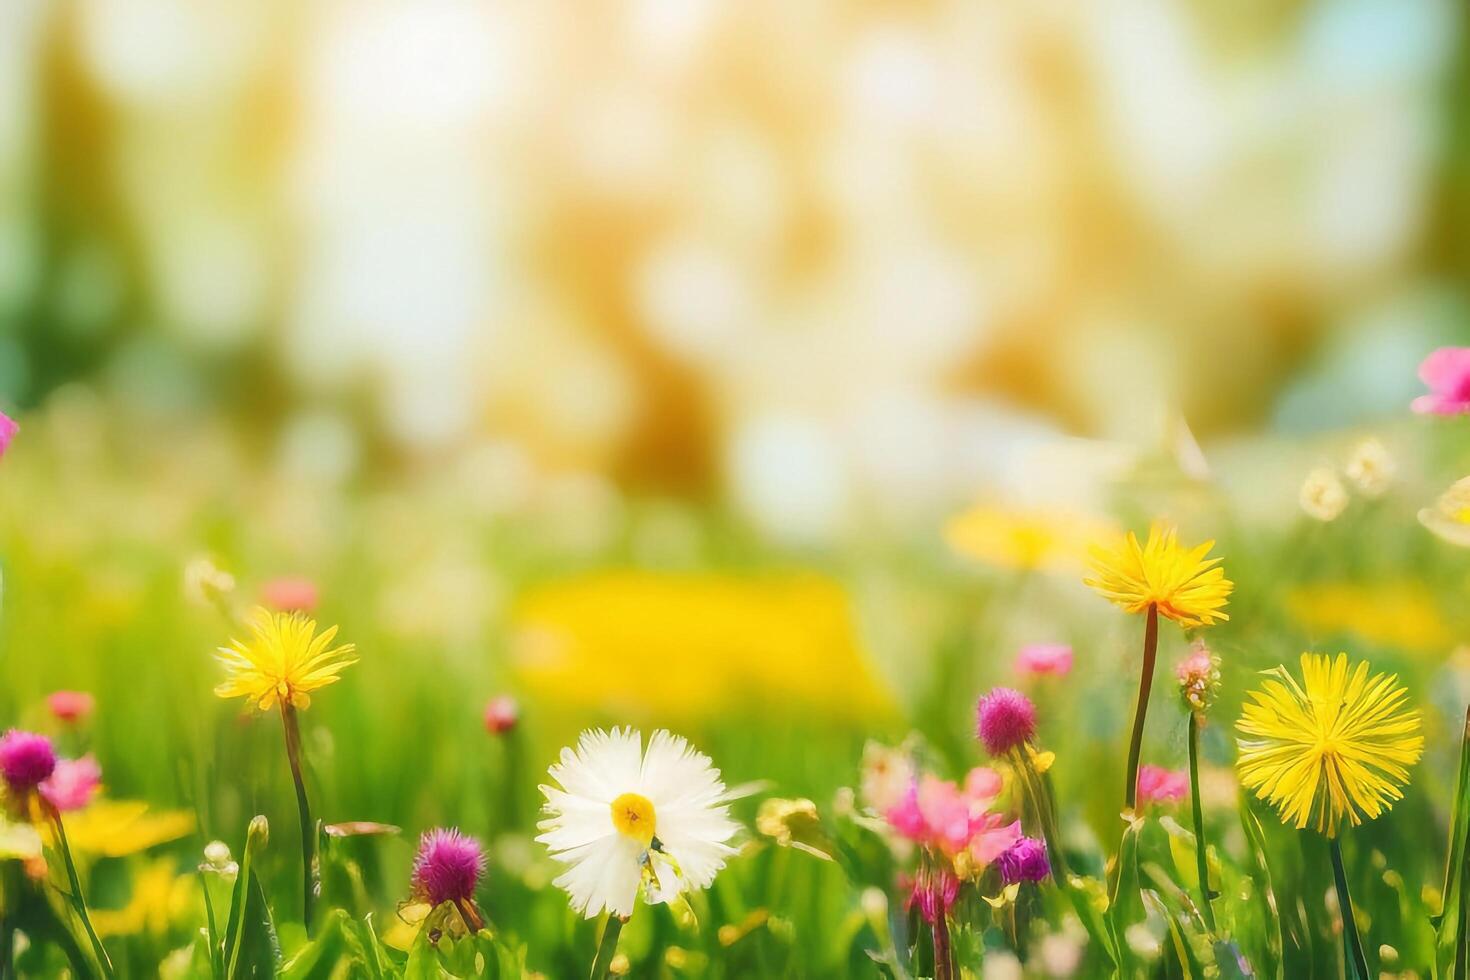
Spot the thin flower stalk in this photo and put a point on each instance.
(607, 948)
(1202, 864)
(1037, 790)
(1356, 960)
(79, 903)
(303, 808)
(1199, 682)
(1140, 711)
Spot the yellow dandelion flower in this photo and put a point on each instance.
(1336, 746)
(1181, 583)
(283, 661)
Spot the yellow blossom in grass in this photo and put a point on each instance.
(1401, 614)
(688, 646)
(1336, 746)
(1022, 538)
(1186, 586)
(283, 661)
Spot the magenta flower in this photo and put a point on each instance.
(1157, 784)
(983, 785)
(8, 429)
(934, 891)
(1447, 373)
(1025, 860)
(25, 760)
(290, 594)
(501, 714)
(1006, 720)
(992, 838)
(906, 817)
(448, 867)
(72, 784)
(1054, 659)
(70, 706)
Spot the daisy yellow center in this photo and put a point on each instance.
(633, 817)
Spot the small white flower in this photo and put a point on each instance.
(622, 818)
(1323, 495)
(1371, 467)
(1449, 518)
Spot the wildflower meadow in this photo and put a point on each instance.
(1181, 735)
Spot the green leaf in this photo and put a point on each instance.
(251, 948)
(1184, 958)
(1451, 953)
(317, 959)
(1090, 901)
(423, 959)
(1125, 905)
(1231, 962)
(1268, 957)
(362, 944)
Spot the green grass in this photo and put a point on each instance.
(93, 543)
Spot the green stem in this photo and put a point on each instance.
(1041, 801)
(1145, 685)
(303, 807)
(607, 948)
(1352, 942)
(1201, 862)
(78, 902)
(9, 902)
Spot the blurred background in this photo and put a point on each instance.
(634, 358)
(829, 265)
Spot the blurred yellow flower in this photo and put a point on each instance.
(117, 828)
(18, 841)
(1024, 539)
(1403, 615)
(283, 660)
(687, 646)
(1449, 518)
(1337, 746)
(160, 897)
(1322, 495)
(1186, 586)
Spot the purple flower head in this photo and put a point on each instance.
(448, 866)
(1025, 860)
(26, 759)
(1006, 719)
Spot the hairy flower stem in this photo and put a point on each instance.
(303, 806)
(607, 948)
(1202, 864)
(1357, 961)
(943, 955)
(1145, 685)
(1041, 801)
(78, 902)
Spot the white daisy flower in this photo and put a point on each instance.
(623, 818)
